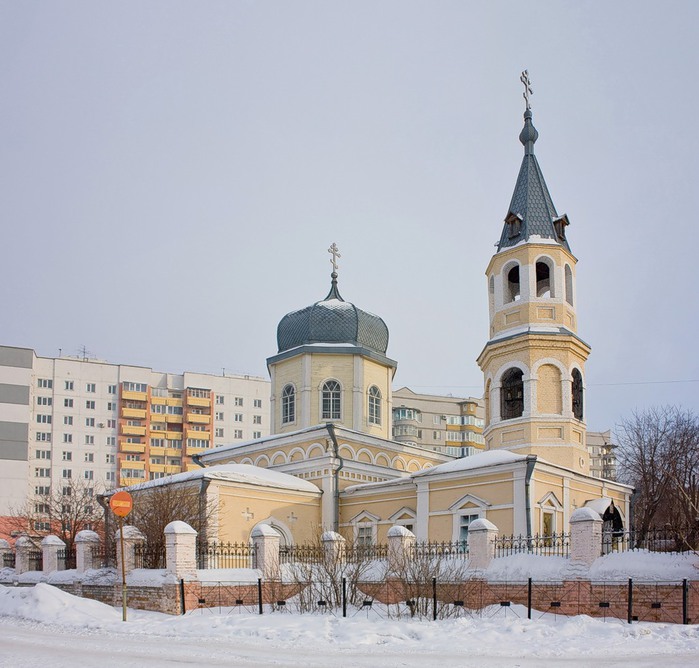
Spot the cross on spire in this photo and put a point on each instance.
(527, 87)
(334, 251)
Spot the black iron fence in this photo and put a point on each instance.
(149, 556)
(8, 560)
(66, 559)
(555, 545)
(317, 554)
(225, 555)
(458, 549)
(104, 556)
(664, 539)
(36, 560)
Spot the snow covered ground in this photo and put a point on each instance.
(43, 626)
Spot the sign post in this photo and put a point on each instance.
(121, 504)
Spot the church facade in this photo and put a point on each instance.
(332, 411)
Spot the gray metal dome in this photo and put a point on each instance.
(332, 320)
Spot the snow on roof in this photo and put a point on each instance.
(481, 460)
(243, 473)
(598, 505)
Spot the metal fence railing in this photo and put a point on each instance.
(36, 560)
(149, 556)
(555, 545)
(458, 549)
(664, 539)
(104, 556)
(66, 559)
(225, 555)
(8, 560)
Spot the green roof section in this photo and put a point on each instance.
(532, 212)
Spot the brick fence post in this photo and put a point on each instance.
(132, 537)
(181, 550)
(266, 541)
(585, 537)
(481, 544)
(50, 545)
(401, 543)
(23, 546)
(84, 542)
(333, 547)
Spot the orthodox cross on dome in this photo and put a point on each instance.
(527, 87)
(335, 252)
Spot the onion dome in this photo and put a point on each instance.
(332, 321)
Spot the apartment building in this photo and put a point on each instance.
(68, 418)
(602, 455)
(452, 425)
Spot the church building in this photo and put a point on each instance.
(331, 464)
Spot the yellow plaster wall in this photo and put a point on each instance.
(548, 390)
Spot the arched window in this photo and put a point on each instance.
(288, 404)
(512, 292)
(544, 284)
(331, 400)
(577, 394)
(512, 394)
(569, 285)
(374, 405)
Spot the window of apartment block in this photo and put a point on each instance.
(112, 389)
(111, 440)
(67, 473)
(257, 419)
(219, 416)
(90, 387)
(238, 433)
(89, 422)
(67, 456)
(135, 387)
(45, 383)
(88, 475)
(111, 424)
(44, 436)
(68, 403)
(42, 490)
(257, 403)
(67, 438)
(220, 399)
(89, 439)
(43, 454)
(67, 419)
(42, 526)
(44, 401)
(257, 434)
(238, 417)
(109, 459)
(42, 473)
(110, 476)
(219, 432)
(238, 401)
(43, 419)
(89, 456)
(111, 405)
(90, 404)
(69, 385)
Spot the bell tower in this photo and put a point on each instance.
(534, 361)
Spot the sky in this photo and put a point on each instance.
(44, 626)
(172, 174)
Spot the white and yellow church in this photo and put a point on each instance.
(330, 463)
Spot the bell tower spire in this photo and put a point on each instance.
(533, 363)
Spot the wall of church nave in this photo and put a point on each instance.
(241, 508)
(396, 505)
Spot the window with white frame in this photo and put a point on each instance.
(288, 404)
(331, 402)
(374, 405)
(464, 523)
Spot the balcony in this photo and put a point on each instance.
(125, 464)
(131, 430)
(175, 419)
(174, 402)
(138, 413)
(173, 435)
(193, 433)
(198, 418)
(124, 446)
(161, 401)
(134, 396)
(157, 417)
(199, 401)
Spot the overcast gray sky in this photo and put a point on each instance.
(172, 173)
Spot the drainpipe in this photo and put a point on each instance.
(336, 475)
(531, 462)
(203, 510)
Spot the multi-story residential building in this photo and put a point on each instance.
(602, 456)
(69, 418)
(453, 425)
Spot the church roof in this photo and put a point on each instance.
(532, 212)
(332, 320)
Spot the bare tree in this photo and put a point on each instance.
(659, 455)
(63, 511)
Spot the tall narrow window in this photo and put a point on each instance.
(569, 285)
(288, 404)
(543, 280)
(331, 400)
(512, 292)
(512, 394)
(374, 405)
(577, 394)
